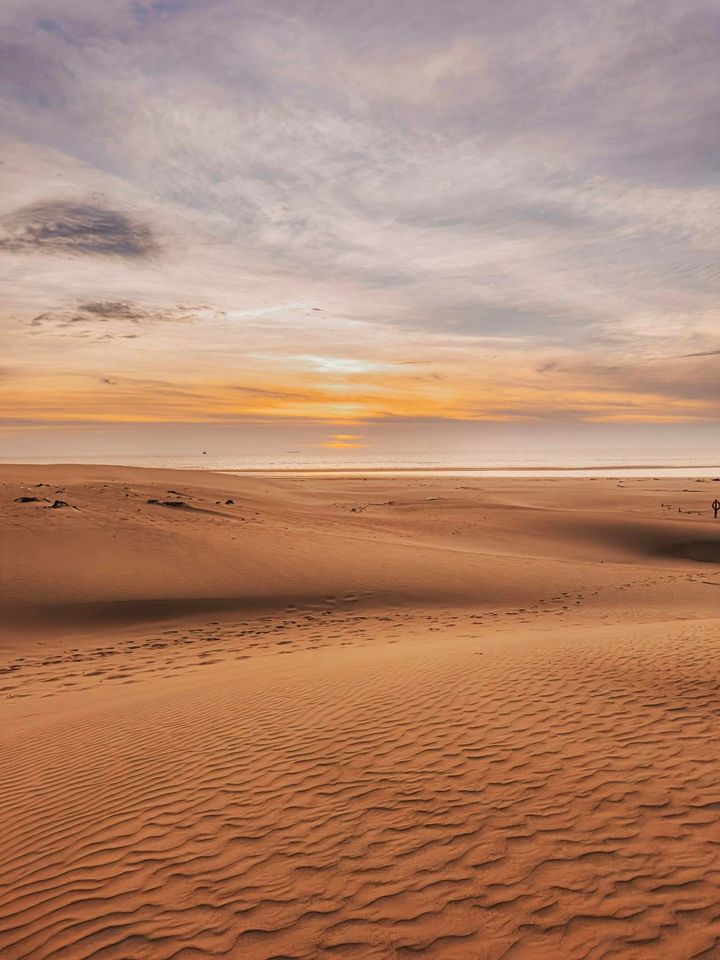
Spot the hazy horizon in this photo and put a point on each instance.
(628, 449)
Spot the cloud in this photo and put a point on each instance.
(113, 309)
(264, 393)
(705, 353)
(79, 229)
(110, 319)
(522, 196)
(689, 383)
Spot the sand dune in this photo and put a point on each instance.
(288, 540)
(381, 718)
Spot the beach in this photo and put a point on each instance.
(358, 716)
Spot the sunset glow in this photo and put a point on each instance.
(227, 238)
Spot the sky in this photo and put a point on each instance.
(358, 226)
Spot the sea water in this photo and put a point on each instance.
(579, 463)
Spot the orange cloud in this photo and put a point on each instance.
(455, 389)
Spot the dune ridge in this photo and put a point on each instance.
(286, 540)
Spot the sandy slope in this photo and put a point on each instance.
(358, 718)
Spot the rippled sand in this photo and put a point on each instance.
(358, 718)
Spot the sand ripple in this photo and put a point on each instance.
(460, 798)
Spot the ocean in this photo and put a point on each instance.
(591, 463)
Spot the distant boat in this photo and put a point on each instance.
(204, 452)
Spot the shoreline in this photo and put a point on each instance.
(615, 471)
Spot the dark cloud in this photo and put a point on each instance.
(40, 319)
(126, 310)
(83, 319)
(82, 229)
(112, 309)
(551, 366)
